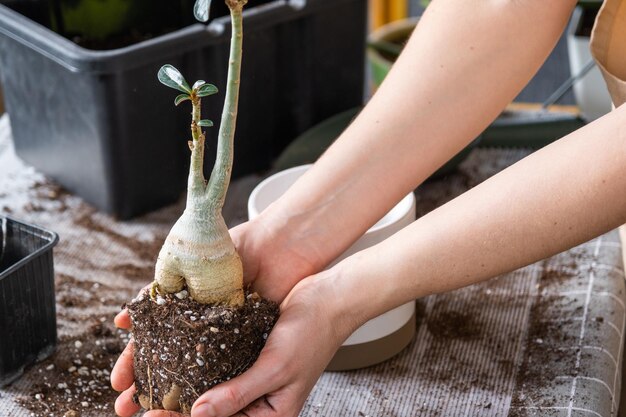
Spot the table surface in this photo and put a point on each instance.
(543, 340)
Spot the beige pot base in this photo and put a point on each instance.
(370, 353)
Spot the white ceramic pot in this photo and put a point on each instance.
(590, 92)
(384, 336)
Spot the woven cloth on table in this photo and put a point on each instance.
(544, 340)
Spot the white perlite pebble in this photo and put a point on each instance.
(160, 300)
(182, 295)
(236, 331)
(222, 346)
(50, 367)
(200, 362)
(137, 299)
(78, 344)
(214, 329)
(84, 404)
(39, 397)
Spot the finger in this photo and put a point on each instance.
(232, 396)
(162, 413)
(259, 408)
(122, 320)
(124, 405)
(123, 374)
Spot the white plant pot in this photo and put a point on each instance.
(384, 336)
(590, 92)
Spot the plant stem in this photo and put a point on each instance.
(220, 176)
(196, 185)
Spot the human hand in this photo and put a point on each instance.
(273, 262)
(287, 368)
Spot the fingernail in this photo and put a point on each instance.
(202, 410)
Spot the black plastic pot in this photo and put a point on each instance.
(100, 123)
(27, 306)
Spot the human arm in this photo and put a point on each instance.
(464, 63)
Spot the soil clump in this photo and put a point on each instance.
(183, 348)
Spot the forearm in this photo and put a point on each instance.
(560, 196)
(461, 67)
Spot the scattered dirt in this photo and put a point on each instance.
(190, 347)
(453, 324)
(71, 292)
(75, 381)
(550, 348)
(144, 250)
(47, 191)
(135, 272)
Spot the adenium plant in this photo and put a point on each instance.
(199, 253)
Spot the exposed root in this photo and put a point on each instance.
(184, 379)
(151, 399)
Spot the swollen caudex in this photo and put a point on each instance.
(199, 254)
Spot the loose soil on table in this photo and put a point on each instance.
(550, 347)
(75, 381)
(184, 348)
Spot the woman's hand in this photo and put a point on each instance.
(273, 261)
(285, 372)
(308, 333)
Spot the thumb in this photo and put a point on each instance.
(226, 399)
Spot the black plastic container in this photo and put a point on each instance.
(27, 306)
(100, 123)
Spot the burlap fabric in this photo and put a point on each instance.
(544, 340)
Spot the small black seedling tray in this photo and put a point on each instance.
(27, 305)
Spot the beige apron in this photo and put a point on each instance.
(608, 47)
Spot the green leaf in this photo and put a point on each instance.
(198, 84)
(201, 10)
(180, 98)
(206, 90)
(205, 123)
(172, 78)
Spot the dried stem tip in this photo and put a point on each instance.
(236, 4)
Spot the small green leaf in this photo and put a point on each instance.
(205, 123)
(206, 90)
(201, 10)
(172, 78)
(180, 98)
(198, 84)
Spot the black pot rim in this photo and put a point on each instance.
(51, 237)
